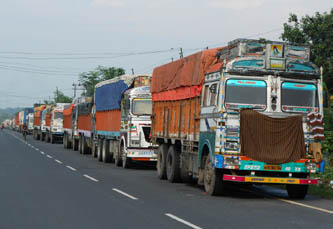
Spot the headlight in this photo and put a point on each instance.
(135, 142)
(230, 145)
(312, 167)
(231, 161)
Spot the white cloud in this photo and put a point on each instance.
(236, 4)
(112, 3)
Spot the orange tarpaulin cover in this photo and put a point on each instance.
(183, 78)
(69, 110)
(84, 122)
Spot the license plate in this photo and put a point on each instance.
(272, 167)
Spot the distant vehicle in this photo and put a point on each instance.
(30, 121)
(37, 133)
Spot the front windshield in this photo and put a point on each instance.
(142, 107)
(298, 95)
(58, 115)
(245, 94)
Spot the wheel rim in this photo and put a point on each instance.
(209, 170)
(159, 162)
(123, 155)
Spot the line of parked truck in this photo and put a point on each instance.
(197, 118)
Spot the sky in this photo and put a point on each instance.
(45, 44)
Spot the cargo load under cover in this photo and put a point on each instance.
(271, 140)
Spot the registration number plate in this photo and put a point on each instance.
(272, 167)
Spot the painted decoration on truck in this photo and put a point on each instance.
(276, 50)
(250, 63)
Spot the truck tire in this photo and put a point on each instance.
(106, 156)
(296, 191)
(65, 141)
(80, 144)
(69, 143)
(94, 150)
(117, 155)
(52, 138)
(75, 144)
(213, 180)
(100, 149)
(85, 149)
(127, 161)
(173, 164)
(161, 161)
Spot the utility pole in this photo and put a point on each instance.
(181, 53)
(75, 88)
(57, 95)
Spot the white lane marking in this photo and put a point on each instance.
(71, 168)
(60, 162)
(42, 152)
(182, 221)
(305, 205)
(125, 194)
(91, 178)
(49, 156)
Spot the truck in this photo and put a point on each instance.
(250, 113)
(45, 123)
(77, 115)
(37, 133)
(56, 130)
(67, 124)
(23, 117)
(122, 120)
(30, 122)
(84, 126)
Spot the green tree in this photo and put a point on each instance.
(60, 97)
(91, 78)
(316, 31)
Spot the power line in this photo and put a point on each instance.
(39, 70)
(38, 66)
(87, 57)
(4, 67)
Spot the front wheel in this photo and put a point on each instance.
(296, 191)
(116, 154)
(213, 180)
(127, 161)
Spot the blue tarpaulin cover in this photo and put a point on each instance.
(108, 96)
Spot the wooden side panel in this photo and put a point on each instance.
(68, 121)
(108, 120)
(84, 122)
(176, 119)
(47, 119)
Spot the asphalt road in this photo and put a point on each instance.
(46, 186)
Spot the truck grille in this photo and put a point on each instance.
(146, 132)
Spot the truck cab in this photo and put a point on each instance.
(277, 80)
(30, 122)
(136, 109)
(56, 122)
